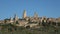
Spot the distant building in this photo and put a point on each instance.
(24, 14)
(30, 21)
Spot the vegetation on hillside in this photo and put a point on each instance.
(11, 29)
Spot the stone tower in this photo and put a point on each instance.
(35, 15)
(24, 14)
(15, 17)
(11, 19)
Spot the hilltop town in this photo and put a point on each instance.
(34, 21)
(30, 25)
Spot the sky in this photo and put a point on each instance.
(48, 8)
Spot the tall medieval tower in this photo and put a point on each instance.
(11, 19)
(35, 15)
(24, 14)
(16, 17)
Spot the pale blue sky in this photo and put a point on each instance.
(48, 8)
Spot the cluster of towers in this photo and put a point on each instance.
(24, 15)
(32, 21)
